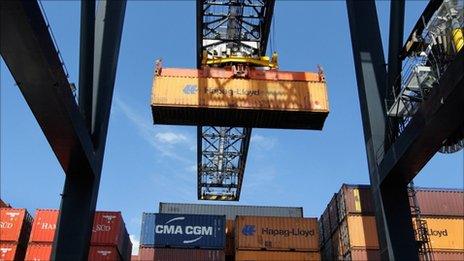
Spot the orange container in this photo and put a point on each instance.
(15, 225)
(358, 231)
(39, 251)
(276, 233)
(275, 255)
(181, 96)
(9, 251)
(362, 254)
(103, 253)
(44, 226)
(446, 233)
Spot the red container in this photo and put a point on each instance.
(44, 226)
(362, 254)
(448, 255)
(440, 202)
(104, 253)
(146, 253)
(134, 258)
(11, 251)
(15, 225)
(173, 254)
(108, 229)
(39, 251)
(354, 199)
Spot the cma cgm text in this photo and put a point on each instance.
(188, 230)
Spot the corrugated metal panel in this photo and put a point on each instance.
(190, 231)
(327, 251)
(108, 228)
(276, 233)
(244, 255)
(171, 254)
(135, 258)
(337, 246)
(362, 254)
(326, 224)
(146, 254)
(230, 238)
(333, 213)
(44, 226)
(147, 234)
(104, 253)
(15, 225)
(354, 199)
(358, 231)
(440, 202)
(226, 101)
(448, 255)
(231, 211)
(10, 251)
(446, 233)
(39, 251)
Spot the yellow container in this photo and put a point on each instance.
(276, 256)
(359, 231)
(458, 38)
(446, 233)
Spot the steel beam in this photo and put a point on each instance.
(396, 238)
(86, 50)
(80, 195)
(395, 45)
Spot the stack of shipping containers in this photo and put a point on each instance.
(443, 210)
(231, 212)
(147, 237)
(15, 227)
(349, 229)
(110, 240)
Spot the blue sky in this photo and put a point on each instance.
(146, 164)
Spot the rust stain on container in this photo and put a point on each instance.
(446, 233)
(244, 255)
(104, 253)
(192, 99)
(39, 251)
(276, 233)
(44, 226)
(173, 254)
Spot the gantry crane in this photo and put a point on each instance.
(229, 32)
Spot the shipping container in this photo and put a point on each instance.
(126, 251)
(104, 253)
(3, 204)
(446, 233)
(39, 251)
(147, 234)
(327, 251)
(230, 238)
(108, 229)
(173, 254)
(440, 202)
(44, 226)
(146, 253)
(354, 199)
(358, 231)
(276, 233)
(135, 258)
(448, 255)
(333, 213)
(231, 211)
(244, 255)
(362, 254)
(15, 225)
(185, 97)
(11, 251)
(337, 245)
(190, 231)
(324, 219)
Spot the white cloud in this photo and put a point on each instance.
(135, 244)
(170, 137)
(263, 142)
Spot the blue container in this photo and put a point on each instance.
(147, 235)
(189, 231)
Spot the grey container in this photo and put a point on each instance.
(231, 211)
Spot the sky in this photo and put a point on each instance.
(146, 164)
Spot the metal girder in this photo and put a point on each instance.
(33, 60)
(80, 195)
(391, 201)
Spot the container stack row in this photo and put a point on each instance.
(15, 227)
(349, 232)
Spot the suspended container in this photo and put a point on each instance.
(231, 211)
(263, 99)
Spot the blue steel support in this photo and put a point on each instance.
(393, 215)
